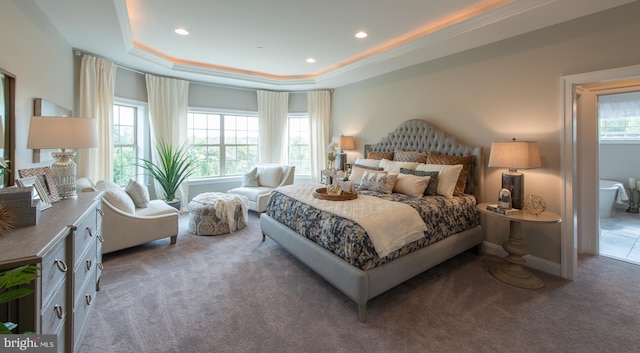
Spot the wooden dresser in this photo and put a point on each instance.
(67, 244)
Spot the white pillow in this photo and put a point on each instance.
(378, 181)
(367, 162)
(251, 178)
(394, 166)
(269, 176)
(447, 176)
(116, 196)
(139, 193)
(357, 173)
(411, 185)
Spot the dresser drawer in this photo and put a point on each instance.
(54, 314)
(85, 234)
(82, 310)
(54, 269)
(85, 270)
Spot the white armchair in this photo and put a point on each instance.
(261, 180)
(125, 224)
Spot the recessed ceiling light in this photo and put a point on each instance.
(311, 60)
(361, 34)
(181, 31)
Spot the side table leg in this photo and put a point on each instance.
(512, 271)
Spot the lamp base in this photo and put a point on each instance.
(514, 182)
(64, 171)
(342, 160)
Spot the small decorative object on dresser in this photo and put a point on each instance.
(45, 177)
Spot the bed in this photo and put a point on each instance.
(362, 277)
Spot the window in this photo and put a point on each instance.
(299, 143)
(125, 142)
(224, 144)
(619, 116)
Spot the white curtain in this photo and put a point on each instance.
(273, 109)
(319, 105)
(97, 86)
(168, 104)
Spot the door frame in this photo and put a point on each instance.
(579, 198)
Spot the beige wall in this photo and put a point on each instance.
(42, 62)
(496, 92)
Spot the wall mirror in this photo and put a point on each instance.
(7, 123)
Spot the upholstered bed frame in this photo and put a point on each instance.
(359, 285)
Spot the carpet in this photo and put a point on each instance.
(235, 293)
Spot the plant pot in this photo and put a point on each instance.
(175, 203)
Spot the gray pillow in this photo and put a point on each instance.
(432, 188)
(138, 193)
(251, 178)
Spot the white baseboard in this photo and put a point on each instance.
(533, 262)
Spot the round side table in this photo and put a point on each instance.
(511, 271)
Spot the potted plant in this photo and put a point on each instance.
(173, 167)
(10, 290)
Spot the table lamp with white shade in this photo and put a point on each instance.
(63, 133)
(514, 155)
(346, 143)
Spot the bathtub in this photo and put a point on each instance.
(608, 192)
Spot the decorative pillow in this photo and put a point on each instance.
(251, 178)
(378, 181)
(379, 155)
(269, 176)
(410, 156)
(411, 185)
(367, 162)
(139, 193)
(432, 187)
(116, 196)
(437, 158)
(394, 166)
(357, 171)
(447, 176)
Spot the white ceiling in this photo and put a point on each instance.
(264, 43)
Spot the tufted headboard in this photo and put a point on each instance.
(418, 135)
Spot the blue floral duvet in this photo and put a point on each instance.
(348, 240)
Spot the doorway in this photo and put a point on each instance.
(618, 119)
(580, 228)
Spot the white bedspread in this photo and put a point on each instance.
(390, 225)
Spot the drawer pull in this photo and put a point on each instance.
(87, 299)
(101, 238)
(62, 266)
(100, 266)
(90, 231)
(59, 311)
(89, 264)
(100, 212)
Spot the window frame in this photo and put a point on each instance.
(298, 115)
(142, 133)
(222, 145)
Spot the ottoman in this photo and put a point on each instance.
(214, 213)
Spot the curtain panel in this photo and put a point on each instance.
(168, 105)
(273, 110)
(97, 86)
(319, 105)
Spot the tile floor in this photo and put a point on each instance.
(620, 236)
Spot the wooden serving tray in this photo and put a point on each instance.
(322, 195)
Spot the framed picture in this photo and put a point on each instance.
(40, 193)
(45, 178)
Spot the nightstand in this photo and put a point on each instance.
(512, 272)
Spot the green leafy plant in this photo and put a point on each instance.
(10, 280)
(173, 167)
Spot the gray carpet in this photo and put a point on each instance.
(234, 293)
